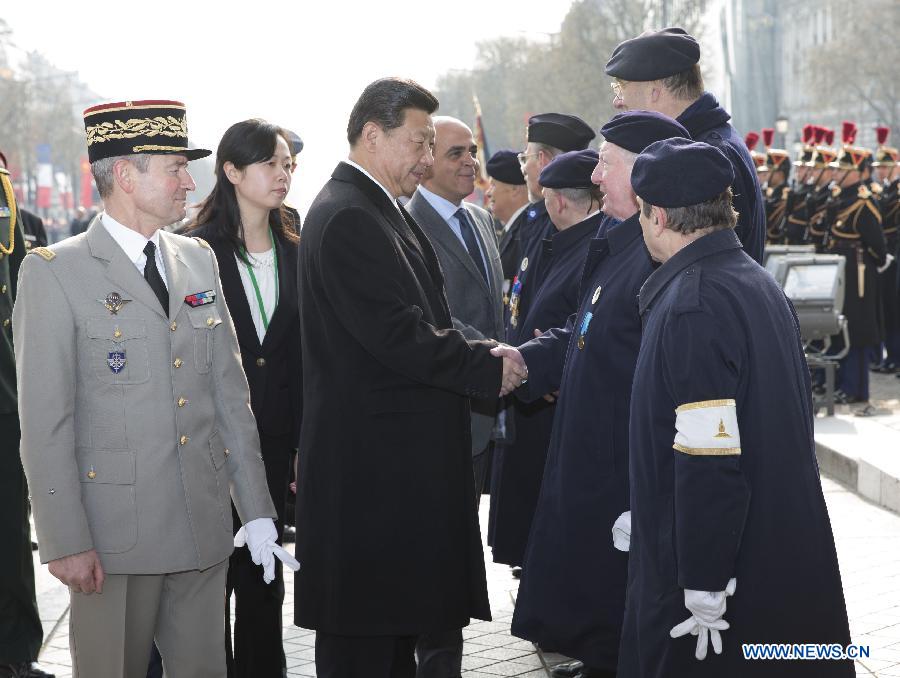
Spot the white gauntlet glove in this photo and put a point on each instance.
(621, 532)
(705, 622)
(260, 536)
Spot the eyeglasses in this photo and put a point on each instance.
(523, 157)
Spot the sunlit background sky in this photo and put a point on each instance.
(299, 64)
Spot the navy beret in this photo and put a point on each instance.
(570, 170)
(565, 132)
(296, 142)
(680, 172)
(635, 130)
(504, 166)
(654, 56)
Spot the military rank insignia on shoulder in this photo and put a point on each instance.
(835, 191)
(877, 188)
(202, 242)
(864, 193)
(44, 252)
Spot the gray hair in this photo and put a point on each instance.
(103, 170)
(577, 196)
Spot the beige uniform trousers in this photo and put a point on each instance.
(111, 634)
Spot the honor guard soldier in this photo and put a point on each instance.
(562, 602)
(751, 139)
(855, 231)
(797, 225)
(817, 200)
(884, 166)
(574, 206)
(35, 235)
(508, 197)
(548, 135)
(660, 71)
(778, 169)
(731, 540)
(20, 625)
(135, 412)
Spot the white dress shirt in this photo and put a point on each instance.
(263, 264)
(133, 244)
(380, 185)
(447, 211)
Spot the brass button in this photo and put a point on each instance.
(3, 289)
(173, 326)
(91, 474)
(182, 402)
(183, 440)
(227, 451)
(6, 322)
(178, 363)
(260, 362)
(117, 333)
(209, 322)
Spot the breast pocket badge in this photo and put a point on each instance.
(116, 361)
(582, 331)
(200, 298)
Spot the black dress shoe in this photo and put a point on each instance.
(567, 669)
(24, 670)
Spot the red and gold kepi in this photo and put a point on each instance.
(155, 126)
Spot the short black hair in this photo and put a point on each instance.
(385, 102)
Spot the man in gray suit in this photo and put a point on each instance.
(136, 424)
(463, 238)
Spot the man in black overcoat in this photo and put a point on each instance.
(386, 525)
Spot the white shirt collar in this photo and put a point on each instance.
(442, 206)
(132, 242)
(378, 183)
(513, 217)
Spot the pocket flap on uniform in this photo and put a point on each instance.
(114, 467)
(217, 451)
(116, 329)
(204, 317)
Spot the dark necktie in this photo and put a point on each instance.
(154, 279)
(468, 234)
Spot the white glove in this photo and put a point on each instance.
(260, 536)
(621, 532)
(887, 262)
(705, 622)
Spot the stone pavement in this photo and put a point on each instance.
(868, 544)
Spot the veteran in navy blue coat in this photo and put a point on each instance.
(572, 595)
(659, 71)
(731, 538)
(518, 467)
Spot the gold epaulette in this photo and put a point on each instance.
(202, 242)
(863, 193)
(769, 192)
(835, 191)
(877, 189)
(3, 171)
(45, 253)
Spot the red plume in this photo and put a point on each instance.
(768, 134)
(882, 134)
(808, 132)
(751, 139)
(819, 133)
(829, 136)
(848, 131)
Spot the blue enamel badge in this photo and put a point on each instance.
(582, 331)
(116, 361)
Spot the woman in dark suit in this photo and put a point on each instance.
(244, 222)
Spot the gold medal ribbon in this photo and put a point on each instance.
(11, 201)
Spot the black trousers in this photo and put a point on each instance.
(364, 656)
(257, 651)
(20, 625)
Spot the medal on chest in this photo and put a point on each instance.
(516, 293)
(586, 320)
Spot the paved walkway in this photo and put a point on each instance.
(868, 543)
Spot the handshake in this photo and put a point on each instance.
(515, 373)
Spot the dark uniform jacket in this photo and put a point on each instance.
(796, 228)
(534, 240)
(855, 232)
(777, 198)
(708, 122)
(386, 524)
(9, 277)
(509, 246)
(519, 465)
(743, 499)
(572, 594)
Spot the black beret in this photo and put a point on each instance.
(504, 166)
(565, 132)
(680, 172)
(635, 130)
(296, 142)
(570, 170)
(654, 56)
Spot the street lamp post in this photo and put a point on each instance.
(781, 126)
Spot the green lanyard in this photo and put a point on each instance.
(259, 299)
